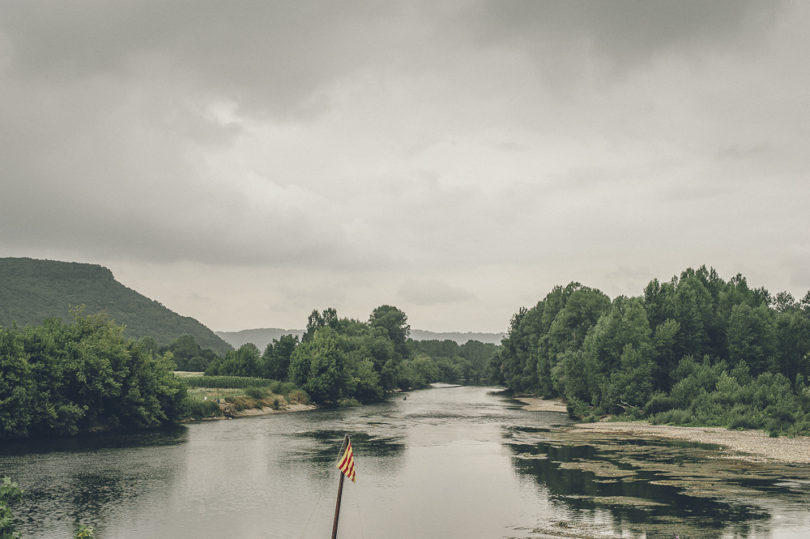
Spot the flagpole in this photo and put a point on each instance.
(339, 495)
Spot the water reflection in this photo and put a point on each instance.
(324, 445)
(96, 441)
(447, 462)
(73, 481)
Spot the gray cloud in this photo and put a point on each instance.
(433, 292)
(297, 155)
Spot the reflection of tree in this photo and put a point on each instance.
(583, 491)
(82, 480)
(324, 446)
(172, 435)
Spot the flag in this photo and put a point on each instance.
(346, 463)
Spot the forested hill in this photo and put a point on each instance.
(34, 290)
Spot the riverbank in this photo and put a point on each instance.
(752, 445)
(269, 410)
(536, 404)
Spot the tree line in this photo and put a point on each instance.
(62, 379)
(694, 350)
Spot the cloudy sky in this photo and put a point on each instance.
(246, 162)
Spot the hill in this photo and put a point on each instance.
(458, 336)
(261, 337)
(34, 290)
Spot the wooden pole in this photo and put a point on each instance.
(340, 494)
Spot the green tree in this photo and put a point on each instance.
(317, 365)
(751, 337)
(276, 357)
(395, 324)
(17, 387)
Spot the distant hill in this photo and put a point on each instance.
(34, 290)
(459, 337)
(263, 336)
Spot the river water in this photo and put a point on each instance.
(443, 462)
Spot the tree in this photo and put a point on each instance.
(276, 357)
(395, 324)
(751, 337)
(317, 365)
(618, 346)
(16, 386)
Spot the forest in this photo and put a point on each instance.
(696, 350)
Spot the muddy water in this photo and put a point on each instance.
(445, 462)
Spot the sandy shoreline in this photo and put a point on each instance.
(536, 404)
(266, 410)
(746, 445)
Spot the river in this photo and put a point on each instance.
(443, 462)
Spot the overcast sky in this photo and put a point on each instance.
(246, 162)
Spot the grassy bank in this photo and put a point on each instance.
(212, 397)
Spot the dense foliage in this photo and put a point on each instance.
(65, 378)
(186, 353)
(340, 360)
(470, 362)
(694, 350)
(32, 291)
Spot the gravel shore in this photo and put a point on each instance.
(746, 445)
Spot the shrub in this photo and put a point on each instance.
(659, 402)
(9, 492)
(348, 403)
(298, 396)
(257, 393)
(197, 409)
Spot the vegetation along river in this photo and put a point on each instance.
(443, 462)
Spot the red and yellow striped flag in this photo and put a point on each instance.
(346, 464)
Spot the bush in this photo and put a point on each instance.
(741, 419)
(196, 409)
(659, 402)
(348, 403)
(298, 396)
(9, 492)
(257, 393)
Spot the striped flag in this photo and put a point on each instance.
(346, 464)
